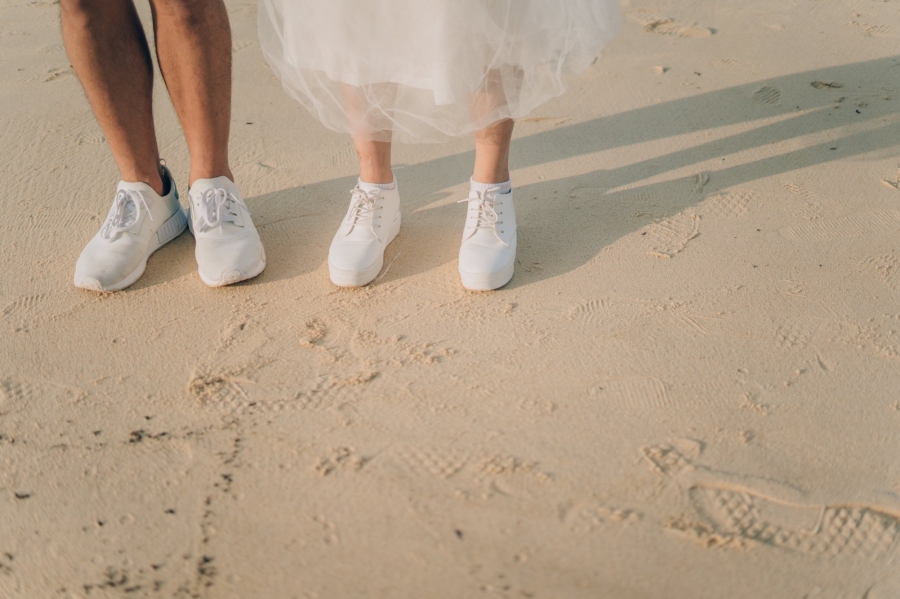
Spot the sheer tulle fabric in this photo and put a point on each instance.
(426, 70)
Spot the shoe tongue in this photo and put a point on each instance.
(138, 186)
(201, 185)
(129, 213)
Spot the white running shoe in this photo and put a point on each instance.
(228, 246)
(138, 224)
(357, 250)
(487, 256)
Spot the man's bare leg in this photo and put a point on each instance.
(107, 47)
(193, 45)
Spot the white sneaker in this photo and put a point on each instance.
(487, 256)
(228, 246)
(138, 224)
(357, 250)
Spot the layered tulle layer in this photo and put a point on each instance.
(426, 70)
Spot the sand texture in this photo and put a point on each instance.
(690, 389)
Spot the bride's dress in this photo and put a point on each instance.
(424, 70)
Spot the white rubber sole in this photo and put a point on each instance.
(168, 231)
(234, 276)
(361, 278)
(480, 281)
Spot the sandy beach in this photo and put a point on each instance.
(689, 390)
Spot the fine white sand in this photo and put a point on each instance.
(690, 389)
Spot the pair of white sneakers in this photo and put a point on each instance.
(487, 255)
(141, 221)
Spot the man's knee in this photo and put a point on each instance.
(85, 13)
(189, 14)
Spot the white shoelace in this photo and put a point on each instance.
(486, 216)
(125, 213)
(362, 209)
(218, 206)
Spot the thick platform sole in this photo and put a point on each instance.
(168, 231)
(361, 278)
(488, 281)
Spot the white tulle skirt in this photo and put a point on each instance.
(426, 70)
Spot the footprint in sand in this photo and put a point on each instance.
(728, 204)
(733, 512)
(860, 225)
(671, 236)
(654, 22)
(593, 516)
(233, 392)
(872, 30)
(792, 336)
(887, 267)
(633, 392)
(814, 208)
(440, 462)
(820, 530)
(13, 395)
(592, 311)
(818, 84)
(767, 94)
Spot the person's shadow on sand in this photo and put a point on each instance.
(578, 212)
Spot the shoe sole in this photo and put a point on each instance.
(234, 276)
(479, 281)
(361, 278)
(168, 231)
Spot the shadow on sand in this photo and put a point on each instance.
(296, 224)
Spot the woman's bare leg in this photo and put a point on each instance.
(371, 129)
(492, 152)
(492, 142)
(374, 161)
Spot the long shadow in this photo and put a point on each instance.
(298, 223)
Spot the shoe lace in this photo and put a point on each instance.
(486, 215)
(362, 209)
(125, 213)
(217, 206)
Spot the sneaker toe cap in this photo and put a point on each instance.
(89, 283)
(227, 261)
(484, 260)
(107, 268)
(354, 255)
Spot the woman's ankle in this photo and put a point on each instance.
(376, 175)
(374, 161)
(491, 175)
